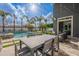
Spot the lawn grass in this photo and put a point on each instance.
(8, 44)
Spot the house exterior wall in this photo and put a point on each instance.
(67, 9)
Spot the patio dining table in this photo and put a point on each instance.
(36, 42)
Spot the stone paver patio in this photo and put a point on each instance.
(9, 51)
(65, 48)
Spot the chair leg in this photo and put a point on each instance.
(52, 49)
(15, 50)
(36, 53)
(32, 52)
(20, 44)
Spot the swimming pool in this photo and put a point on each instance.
(22, 34)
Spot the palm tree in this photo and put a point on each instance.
(39, 19)
(36, 20)
(42, 25)
(3, 14)
(53, 18)
(27, 19)
(45, 25)
(14, 21)
(24, 16)
(33, 21)
(30, 27)
(45, 21)
(21, 22)
(4, 17)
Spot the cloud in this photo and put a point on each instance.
(22, 9)
(48, 15)
(49, 20)
(12, 6)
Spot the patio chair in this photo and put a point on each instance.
(46, 48)
(23, 51)
(63, 36)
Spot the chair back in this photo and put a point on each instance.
(47, 45)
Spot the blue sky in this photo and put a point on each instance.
(28, 9)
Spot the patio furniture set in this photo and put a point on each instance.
(36, 45)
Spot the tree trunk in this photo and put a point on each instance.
(14, 23)
(3, 24)
(35, 27)
(21, 24)
(40, 27)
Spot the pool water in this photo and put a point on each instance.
(22, 34)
